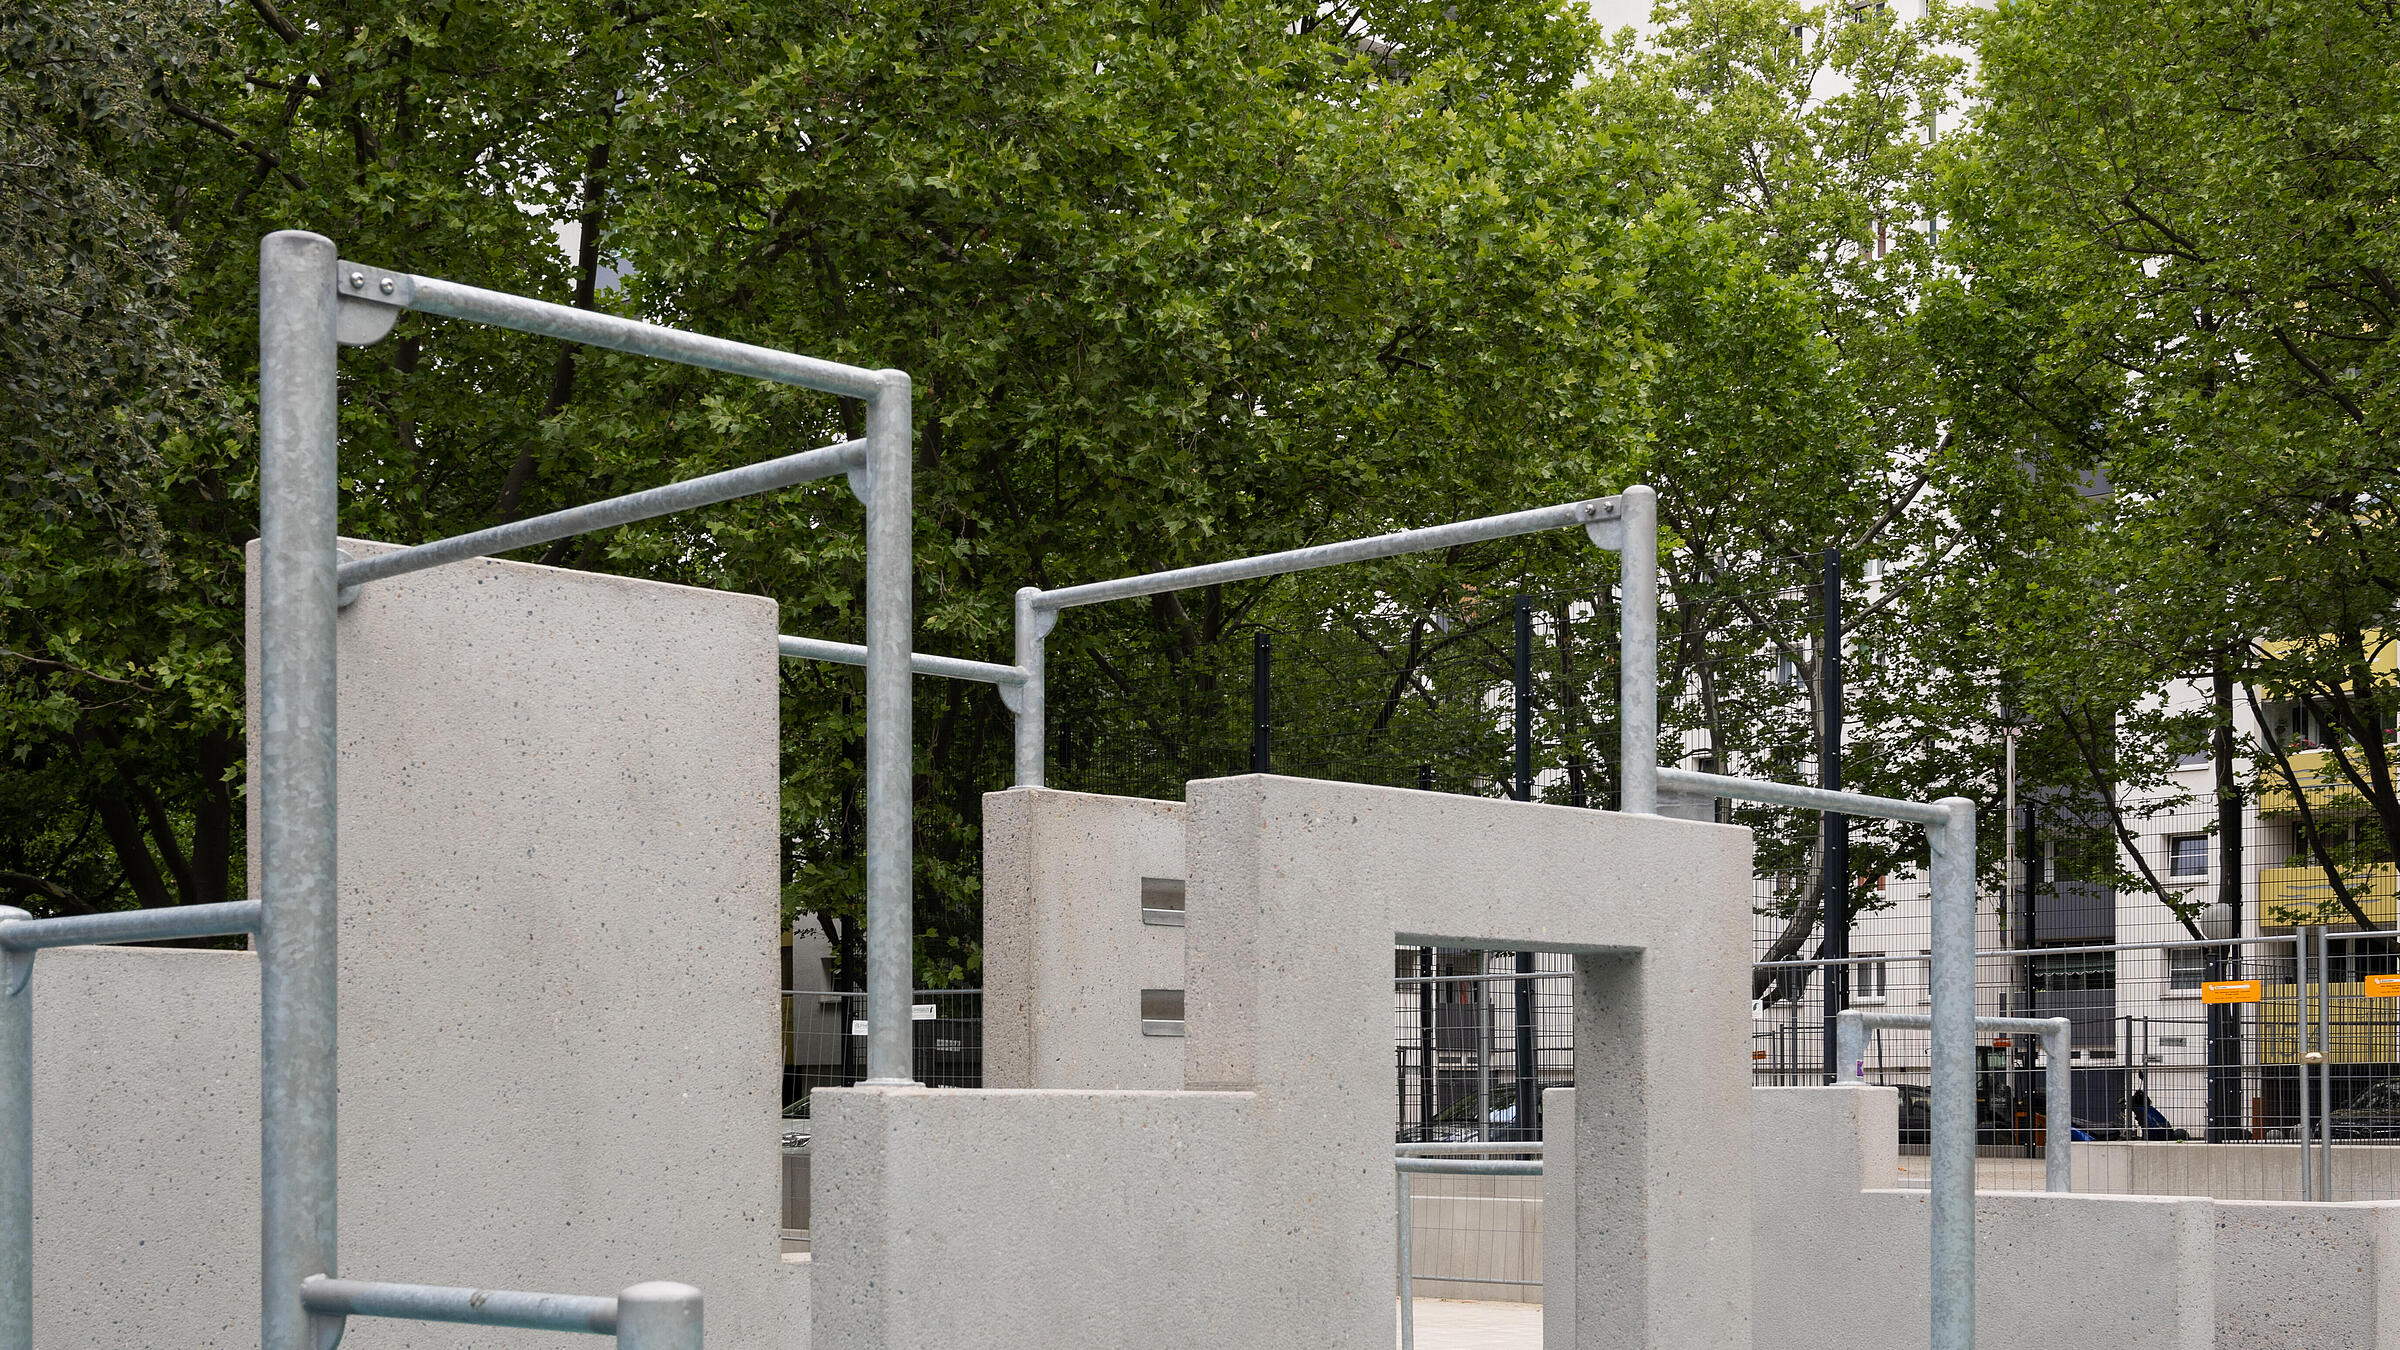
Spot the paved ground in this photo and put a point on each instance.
(1456, 1324)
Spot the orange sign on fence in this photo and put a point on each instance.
(2383, 986)
(2234, 991)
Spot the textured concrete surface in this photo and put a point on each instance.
(1470, 1324)
(1297, 891)
(1065, 952)
(1039, 1218)
(558, 1020)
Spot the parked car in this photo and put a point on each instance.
(2372, 1113)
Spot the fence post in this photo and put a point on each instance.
(1528, 1123)
(891, 752)
(1261, 708)
(1425, 1075)
(16, 1145)
(2324, 1069)
(1637, 653)
(1408, 1291)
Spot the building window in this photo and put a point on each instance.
(2186, 967)
(2187, 855)
(2074, 970)
(1867, 980)
(1925, 990)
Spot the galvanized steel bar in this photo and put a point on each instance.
(891, 754)
(1637, 652)
(1038, 610)
(2058, 1149)
(1597, 510)
(708, 490)
(1806, 798)
(1471, 1167)
(130, 925)
(475, 1307)
(1033, 709)
(2324, 1069)
(2308, 1137)
(658, 1315)
(1408, 1281)
(852, 654)
(299, 428)
(431, 295)
(16, 1150)
(1468, 1148)
(1953, 1076)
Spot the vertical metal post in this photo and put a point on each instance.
(1425, 1076)
(2324, 1070)
(2300, 1065)
(1033, 629)
(1637, 652)
(1527, 1124)
(299, 432)
(1483, 1058)
(1835, 885)
(658, 1315)
(2058, 1088)
(1408, 1283)
(1262, 669)
(1849, 1048)
(1953, 1086)
(16, 1144)
(891, 925)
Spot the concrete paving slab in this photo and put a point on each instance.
(1462, 1324)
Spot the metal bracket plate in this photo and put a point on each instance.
(371, 299)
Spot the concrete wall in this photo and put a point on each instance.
(1065, 951)
(2122, 1271)
(559, 914)
(1297, 891)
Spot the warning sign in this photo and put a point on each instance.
(2234, 991)
(2383, 986)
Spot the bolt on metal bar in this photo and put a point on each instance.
(852, 654)
(299, 429)
(362, 282)
(1037, 610)
(475, 1307)
(2058, 1166)
(132, 925)
(708, 490)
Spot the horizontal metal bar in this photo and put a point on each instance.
(131, 925)
(1455, 1150)
(1474, 1279)
(2014, 953)
(478, 1307)
(1483, 979)
(659, 501)
(431, 295)
(1469, 1167)
(1872, 1018)
(1590, 512)
(1807, 798)
(852, 654)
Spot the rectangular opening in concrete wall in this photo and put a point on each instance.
(1162, 901)
(1162, 1010)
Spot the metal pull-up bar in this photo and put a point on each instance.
(1627, 523)
(310, 303)
(2058, 1088)
(1950, 833)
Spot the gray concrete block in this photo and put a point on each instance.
(558, 1009)
(1066, 953)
